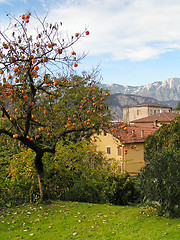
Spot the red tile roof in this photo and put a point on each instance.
(160, 117)
(133, 133)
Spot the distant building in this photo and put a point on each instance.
(138, 111)
(176, 111)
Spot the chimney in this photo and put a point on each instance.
(155, 122)
(142, 134)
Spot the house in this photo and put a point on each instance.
(123, 146)
(138, 111)
(157, 119)
(177, 111)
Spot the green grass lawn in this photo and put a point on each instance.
(72, 220)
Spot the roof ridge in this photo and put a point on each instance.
(167, 116)
(163, 116)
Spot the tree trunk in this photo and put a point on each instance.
(40, 173)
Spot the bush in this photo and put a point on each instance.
(18, 179)
(119, 189)
(75, 173)
(85, 189)
(160, 180)
(101, 187)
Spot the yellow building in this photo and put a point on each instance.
(124, 147)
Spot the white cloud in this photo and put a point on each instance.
(120, 29)
(124, 29)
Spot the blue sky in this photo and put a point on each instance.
(135, 42)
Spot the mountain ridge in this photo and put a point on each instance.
(162, 91)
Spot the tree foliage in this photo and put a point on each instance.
(160, 179)
(42, 99)
(167, 136)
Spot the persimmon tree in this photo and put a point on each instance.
(42, 99)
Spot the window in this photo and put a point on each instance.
(137, 112)
(150, 112)
(119, 151)
(158, 111)
(108, 150)
(154, 111)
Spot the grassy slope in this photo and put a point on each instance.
(70, 220)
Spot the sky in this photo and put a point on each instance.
(133, 42)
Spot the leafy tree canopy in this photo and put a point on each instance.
(165, 137)
(160, 177)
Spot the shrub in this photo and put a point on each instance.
(86, 188)
(18, 180)
(119, 189)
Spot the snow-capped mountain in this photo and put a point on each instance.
(162, 91)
